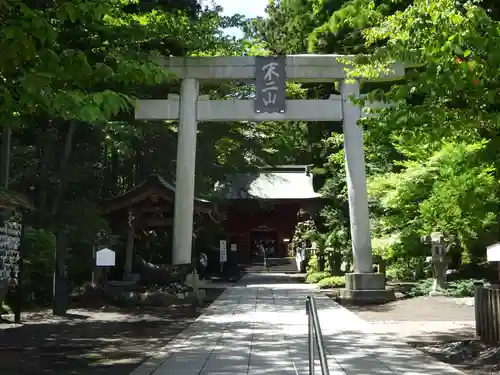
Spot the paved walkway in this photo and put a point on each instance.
(259, 327)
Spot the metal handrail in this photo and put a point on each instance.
(314, 334)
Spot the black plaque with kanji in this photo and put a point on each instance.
(270, 84)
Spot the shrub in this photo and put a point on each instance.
(331, 282)
(464, 288)
(313, 264)
(39, 263)
(315, 277)
(399, 271)
(458, 288)
(421, 288)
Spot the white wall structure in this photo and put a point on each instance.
(190, 108)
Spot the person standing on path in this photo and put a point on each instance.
(203, 265)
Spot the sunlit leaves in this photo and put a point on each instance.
(454, 191)
(76, 48)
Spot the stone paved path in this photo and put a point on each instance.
(259, 326)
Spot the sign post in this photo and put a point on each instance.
(105, 258)
(222, 254)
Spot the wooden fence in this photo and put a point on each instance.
(487, 309)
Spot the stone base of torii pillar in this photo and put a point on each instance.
(364, 289)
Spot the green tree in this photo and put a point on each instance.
(446, 129)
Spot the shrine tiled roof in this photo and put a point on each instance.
(9, 198)
(281, 182)
(154, 182)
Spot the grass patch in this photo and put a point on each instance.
(316, 277)
(332, 282)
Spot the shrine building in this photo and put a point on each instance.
(260, 209)
(148, 206)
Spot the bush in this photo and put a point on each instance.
(315, 277)
(421, 288)
(39, 264)
(458, 288)
(313, 264)
(331, 282)
(400, 272)
(464, 288)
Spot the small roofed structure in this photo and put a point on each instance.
(149, 205)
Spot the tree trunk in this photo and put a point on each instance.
(115, 172)
(61, 283)
(45, 155)
(5, 160)
(63, 169)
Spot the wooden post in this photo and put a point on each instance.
(93, 264)
(497, 315)
(477, 308)
(494, 315)
(129, 252)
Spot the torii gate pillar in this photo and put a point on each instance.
(185, 172)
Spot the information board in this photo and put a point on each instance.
(10, 242)
(223, 251)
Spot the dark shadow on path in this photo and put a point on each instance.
(108, 341)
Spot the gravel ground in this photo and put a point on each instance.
(107, 341)
(470, 356)
(439, 326)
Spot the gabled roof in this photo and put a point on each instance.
(11, 199)
(281, 182)
(140, 192)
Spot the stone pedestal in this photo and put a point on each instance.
(436, 293)
(193, 281)
(364, 289)
(439, 283)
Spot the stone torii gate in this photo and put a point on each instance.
(189, 108)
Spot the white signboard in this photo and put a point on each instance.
(493, 253)
(105, 258)
(234, 247)
(223, 245)
(223, 251)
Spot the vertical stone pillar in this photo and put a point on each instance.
(185, 172)
(356, 180)
(363, 286)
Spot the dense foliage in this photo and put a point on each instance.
(71, 70)
(432, 161)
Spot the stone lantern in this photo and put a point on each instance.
(437, 241)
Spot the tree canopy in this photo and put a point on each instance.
(432, 160)
(71, 71)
